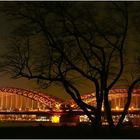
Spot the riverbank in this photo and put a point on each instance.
(65, 132)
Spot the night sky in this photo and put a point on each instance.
(132, 44)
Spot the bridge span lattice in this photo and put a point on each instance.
(117, 98)
(12, 96)
(16, 98)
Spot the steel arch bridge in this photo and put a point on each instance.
(51, 103)
(117, 98)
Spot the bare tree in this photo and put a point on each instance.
(82, 39)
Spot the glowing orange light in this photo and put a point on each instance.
(102, 108)
(132, 108)
(72, 105)
(117, 108)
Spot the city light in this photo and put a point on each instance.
(117, 108)
(55, 119)
(132, 108)
(102, 108)
(83, 118)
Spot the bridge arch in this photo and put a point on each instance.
(117, 98)
(47, 101)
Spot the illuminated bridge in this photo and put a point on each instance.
(14, 99)
(117, 98)
(21, 104)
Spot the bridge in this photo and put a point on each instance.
(15, 99)
(18, 103)
(117, 98)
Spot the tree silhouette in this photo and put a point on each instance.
(81, 39)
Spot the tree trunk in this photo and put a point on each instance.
(130, 90)
(108, 112)
(98, 113)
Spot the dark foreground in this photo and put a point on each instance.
(65, 132)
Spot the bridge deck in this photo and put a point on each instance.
(62, 113)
